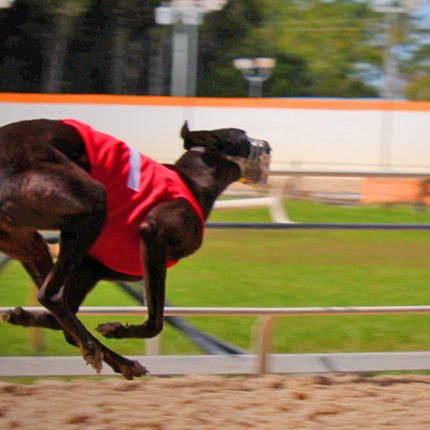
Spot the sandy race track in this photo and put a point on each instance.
(206, 402)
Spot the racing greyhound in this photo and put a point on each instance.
(120, 214)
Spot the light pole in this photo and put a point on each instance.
(185, 16)
(256, 71)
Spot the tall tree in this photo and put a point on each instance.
(332, 37)
(63, 15)
(225, 35)
(415, 64)
(132, 45)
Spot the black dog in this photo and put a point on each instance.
(63, 175)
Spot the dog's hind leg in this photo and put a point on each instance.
(90, 273)
(63, 197)
(31, 250)
(78, 232)
(64, 284)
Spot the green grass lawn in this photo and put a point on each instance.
(280, 268)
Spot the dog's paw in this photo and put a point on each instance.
(15, 316)
(113, 330)
(133, 369)
(93, 356)
(4, 316)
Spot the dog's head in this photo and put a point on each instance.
(251, 155)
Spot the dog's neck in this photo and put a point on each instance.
(207, 175)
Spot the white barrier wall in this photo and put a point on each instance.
(306, 133)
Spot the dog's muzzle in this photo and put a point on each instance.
(256, 167)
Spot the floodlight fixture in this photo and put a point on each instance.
(256, 71)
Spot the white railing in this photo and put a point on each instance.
(261, 340)
(272, 203)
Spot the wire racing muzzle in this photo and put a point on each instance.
(255, 168)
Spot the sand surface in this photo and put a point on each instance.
(213, 402)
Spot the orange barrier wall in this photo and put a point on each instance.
(278, 103)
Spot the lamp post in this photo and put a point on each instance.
(185, 16)
(256, 71)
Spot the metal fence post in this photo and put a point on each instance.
(261, 341)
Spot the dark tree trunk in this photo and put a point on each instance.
(57, 49)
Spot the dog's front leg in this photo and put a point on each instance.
(154, 266)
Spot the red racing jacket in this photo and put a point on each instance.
(134, 183)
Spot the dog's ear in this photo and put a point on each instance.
(185, 131)
(198, 138)
(186, 136)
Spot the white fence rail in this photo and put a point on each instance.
(259, 362)
(273, 203)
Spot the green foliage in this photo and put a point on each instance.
(419, 89)
(116, 46)
(70, 8)
(225, 35)
(417, 70)
(331, 37)
(409, 35)
(316, 44)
